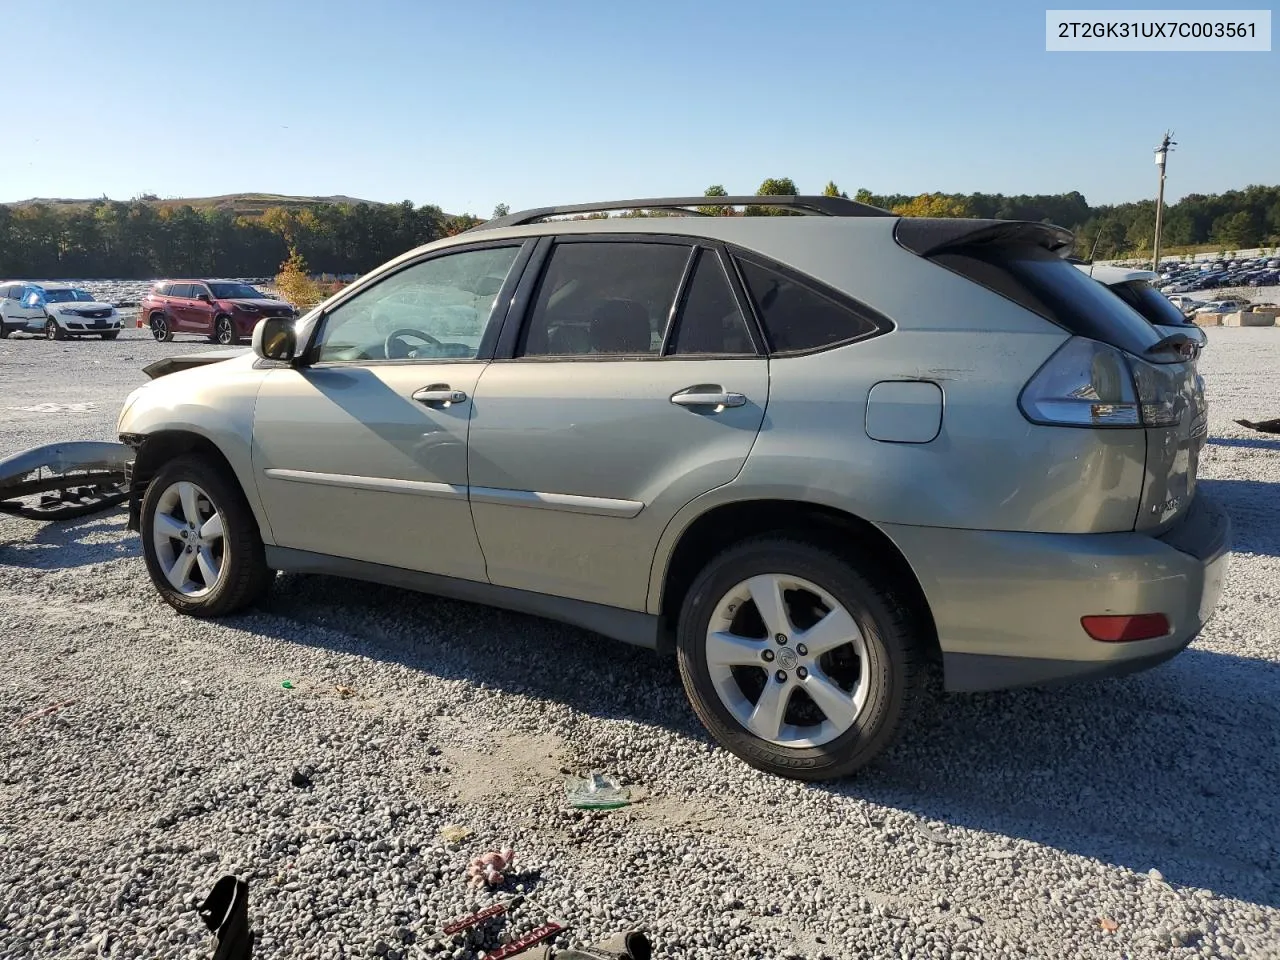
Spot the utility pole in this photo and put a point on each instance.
(1162, 152)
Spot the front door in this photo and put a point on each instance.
(637, 384)
(362, 453)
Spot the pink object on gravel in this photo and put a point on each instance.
(489, 869)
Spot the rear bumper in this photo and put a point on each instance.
(1008, 605)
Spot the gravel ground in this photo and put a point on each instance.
(1134, 818)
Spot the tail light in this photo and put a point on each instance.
(1090, 384)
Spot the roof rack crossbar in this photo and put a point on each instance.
(808, 205)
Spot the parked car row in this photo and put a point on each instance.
(1188, 277)
(225, 311)
(55, 311)
(802, 458)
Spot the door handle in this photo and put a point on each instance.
(708, 395)
(440, 393)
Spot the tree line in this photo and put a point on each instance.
(141, 239)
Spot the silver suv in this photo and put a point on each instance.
(809, 455)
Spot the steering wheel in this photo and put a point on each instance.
(400, 350)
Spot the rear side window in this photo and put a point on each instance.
(1154, 306)
(710, 320)
(1046, 284)
(797, 317)
(179, 290)
(605, 299)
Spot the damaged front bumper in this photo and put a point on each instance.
(61, 481)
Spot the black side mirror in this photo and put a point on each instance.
(205, 297)
(274, 338)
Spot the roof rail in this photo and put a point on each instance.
(812, 206)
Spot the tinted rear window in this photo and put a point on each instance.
(1050, 286)
(1154, 306)
(797, 317)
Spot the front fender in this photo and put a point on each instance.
(214, 403)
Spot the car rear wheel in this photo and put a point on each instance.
(795, 660)
(224, 331)
(200, 540)
(52, 331)
(160, 328)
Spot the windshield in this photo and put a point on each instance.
(66, 296)
(1151, 303)
(235, 291)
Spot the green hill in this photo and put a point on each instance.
(241, 204)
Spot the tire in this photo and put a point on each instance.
(4, 332)
(161, 332)
(241, 575)
(869, 684)
(111, 335)
(224, 331)
(52, 331)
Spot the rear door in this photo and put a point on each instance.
(179, 301)
(200, 312)
(634, 385)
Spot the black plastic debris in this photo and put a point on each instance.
(226, 913)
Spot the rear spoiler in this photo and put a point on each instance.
(926, 236)
(168, 365)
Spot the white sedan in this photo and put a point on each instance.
(57, 310)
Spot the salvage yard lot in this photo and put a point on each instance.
(1026, 823)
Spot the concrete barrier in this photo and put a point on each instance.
(1204, 318)
(1245, 319)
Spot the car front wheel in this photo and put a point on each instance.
(52, 331)
(794, 660)
(200, 540)
(224, 332)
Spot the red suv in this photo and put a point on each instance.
(225, 311)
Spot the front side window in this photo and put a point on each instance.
(796, 317)
(197, 289)
(605, 299)
(180, 290)
(435, 309)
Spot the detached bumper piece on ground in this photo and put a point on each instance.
(226, 913)
(64, 480)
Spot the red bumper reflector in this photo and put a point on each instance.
(1123, 628)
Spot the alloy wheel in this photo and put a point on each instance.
(51, 329)
(187, 533)
(223, 332)
(787, 661)
(159, 328)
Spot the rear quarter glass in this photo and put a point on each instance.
(1047, 285)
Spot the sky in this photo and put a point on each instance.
(474, 103)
